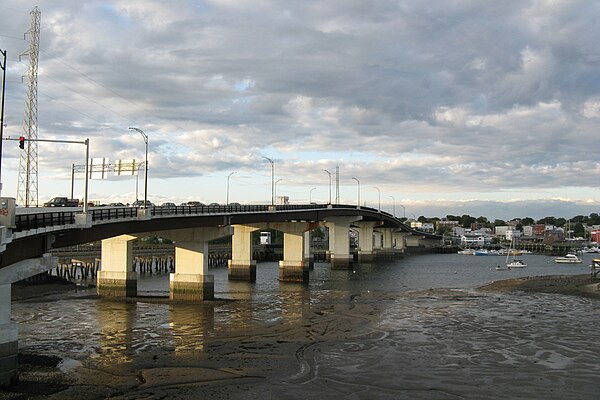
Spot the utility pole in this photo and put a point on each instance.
(85, 142)
(27, 184)
(3, 66)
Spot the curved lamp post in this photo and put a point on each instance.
(272, 179)
(393, 206)
(227, 197)
(358, 183)
(379, 192)
(275, 186)
(146, 170)
(329, 173)
(310, 195)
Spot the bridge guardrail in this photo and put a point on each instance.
(26, 222)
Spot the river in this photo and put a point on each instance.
(411, 328)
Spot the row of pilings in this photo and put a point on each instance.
(81, 263)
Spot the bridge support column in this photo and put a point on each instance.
(116, 277)
(241, 266)
(294, 267)
(365, 240)
(9, 343)
(339, 241)
(308, 255)
(191, 281)
(400, 240)
(388, 251)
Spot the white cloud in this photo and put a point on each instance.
(478, 97)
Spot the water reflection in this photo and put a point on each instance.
(190, 325)
(117, 338)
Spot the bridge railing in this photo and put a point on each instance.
(30, 221)
(101, 214)
(25, 222)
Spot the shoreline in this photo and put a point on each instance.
(573, 285)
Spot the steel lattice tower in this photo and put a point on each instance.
(27, 185)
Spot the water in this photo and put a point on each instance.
(414, 272)
(376, 331)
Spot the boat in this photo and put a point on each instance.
(501, 268)
(515, 263)
(568, 259)
(468, 252)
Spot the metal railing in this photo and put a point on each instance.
(26, 222)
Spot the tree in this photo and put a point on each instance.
(467, 220)
(499, 222)
(527, 221)
(578, 230)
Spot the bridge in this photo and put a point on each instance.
(28, 236)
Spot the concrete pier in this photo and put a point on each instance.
(339, 241)
(241, 266)
(116, 277)
(9, 344)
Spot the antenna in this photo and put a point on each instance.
(27, 184)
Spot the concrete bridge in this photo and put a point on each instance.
(28, 236)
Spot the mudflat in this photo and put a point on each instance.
(518, 338)
(577, 285)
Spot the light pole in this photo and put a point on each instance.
(3, 65)
(146, 167)
(393, 206)
(275, 186)
(329, 173)
(272, 179)
(403, 210)
(310, 195)
(358, 183)
(227, 197)
(379, 192)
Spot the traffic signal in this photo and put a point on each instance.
(22, 142)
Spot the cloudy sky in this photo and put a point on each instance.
(447, 107)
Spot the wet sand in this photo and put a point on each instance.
(505, 340)
(576, 285)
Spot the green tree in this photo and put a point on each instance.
(467, 220)
(578, 230)
(527, 221)
(499, 222)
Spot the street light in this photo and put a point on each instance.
(3, 66)
(358, 183)
(378, 191)
(146, 167)
(393, 206)
(329, 173)
(310, 195)
(227, 197)
(275, 186)
(403, 210)
(272, 179)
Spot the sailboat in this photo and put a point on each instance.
(515, 263)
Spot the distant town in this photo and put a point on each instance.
(479, 231)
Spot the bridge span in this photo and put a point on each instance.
(27, 238)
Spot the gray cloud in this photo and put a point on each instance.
(484, 96)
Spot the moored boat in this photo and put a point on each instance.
(568, 259)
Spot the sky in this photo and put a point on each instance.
(449, 107)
